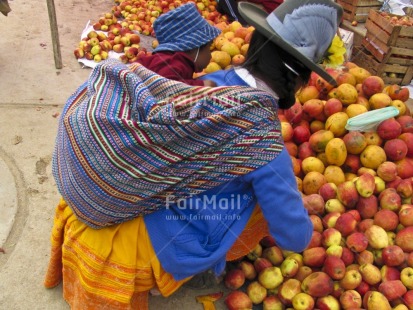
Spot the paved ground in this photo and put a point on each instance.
(32, 94)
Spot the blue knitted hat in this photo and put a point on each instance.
(183, 29)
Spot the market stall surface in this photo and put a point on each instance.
(32, 94)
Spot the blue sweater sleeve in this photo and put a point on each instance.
(276, 190)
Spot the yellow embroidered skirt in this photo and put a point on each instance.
(115, 267)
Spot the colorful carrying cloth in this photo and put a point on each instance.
(128, 138)
(115, 267)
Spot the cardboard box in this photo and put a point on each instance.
(347, 37)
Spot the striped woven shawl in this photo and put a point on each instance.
(128, 138)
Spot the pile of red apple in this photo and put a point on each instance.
(357, 187)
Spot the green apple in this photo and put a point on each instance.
(270, 277)
(303, 301)
(406, 276)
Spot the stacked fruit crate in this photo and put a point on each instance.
(358, 10)
(387, 48)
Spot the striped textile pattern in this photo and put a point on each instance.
(128, 138)
(183, 29)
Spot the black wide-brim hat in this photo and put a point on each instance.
(299, 27)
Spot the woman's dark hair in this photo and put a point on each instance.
(270, 63)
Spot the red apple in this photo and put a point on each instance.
(268, 241)
(301, 134)
(314, 203)
(314, 257)
(357, 242)
(287, 290)
(234, 279)
(346, 224)
(406, 122)
(261, 263)
(347, 194)
(272, 302)
(396, 92)
(294, 113)
(317, 284)
(386, 219)
(393, 184)
(389, 199)
(330, 219)
(248, 269)
(331, 106)
(408, 299)
(406, 215)
(392, 289)
(345, 77)
(372, 85)
(334, 267)
(395, 149)
(363, 225)
(393, 255)
(367, 206)
(365, 257)
(351, 299)
(387, 171)
(238, 300)
(355, 142)
(331, 236)
(408, 139)
(405, 188)
(273, 254)
(404, 239)
(304, 150)
(355, 213)
(363, 288)
(328, 191)
(389, 273)
(405, 168)
(302, 273)
(389, 129)
(313, 107)
(328, 302)
(317, 223)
